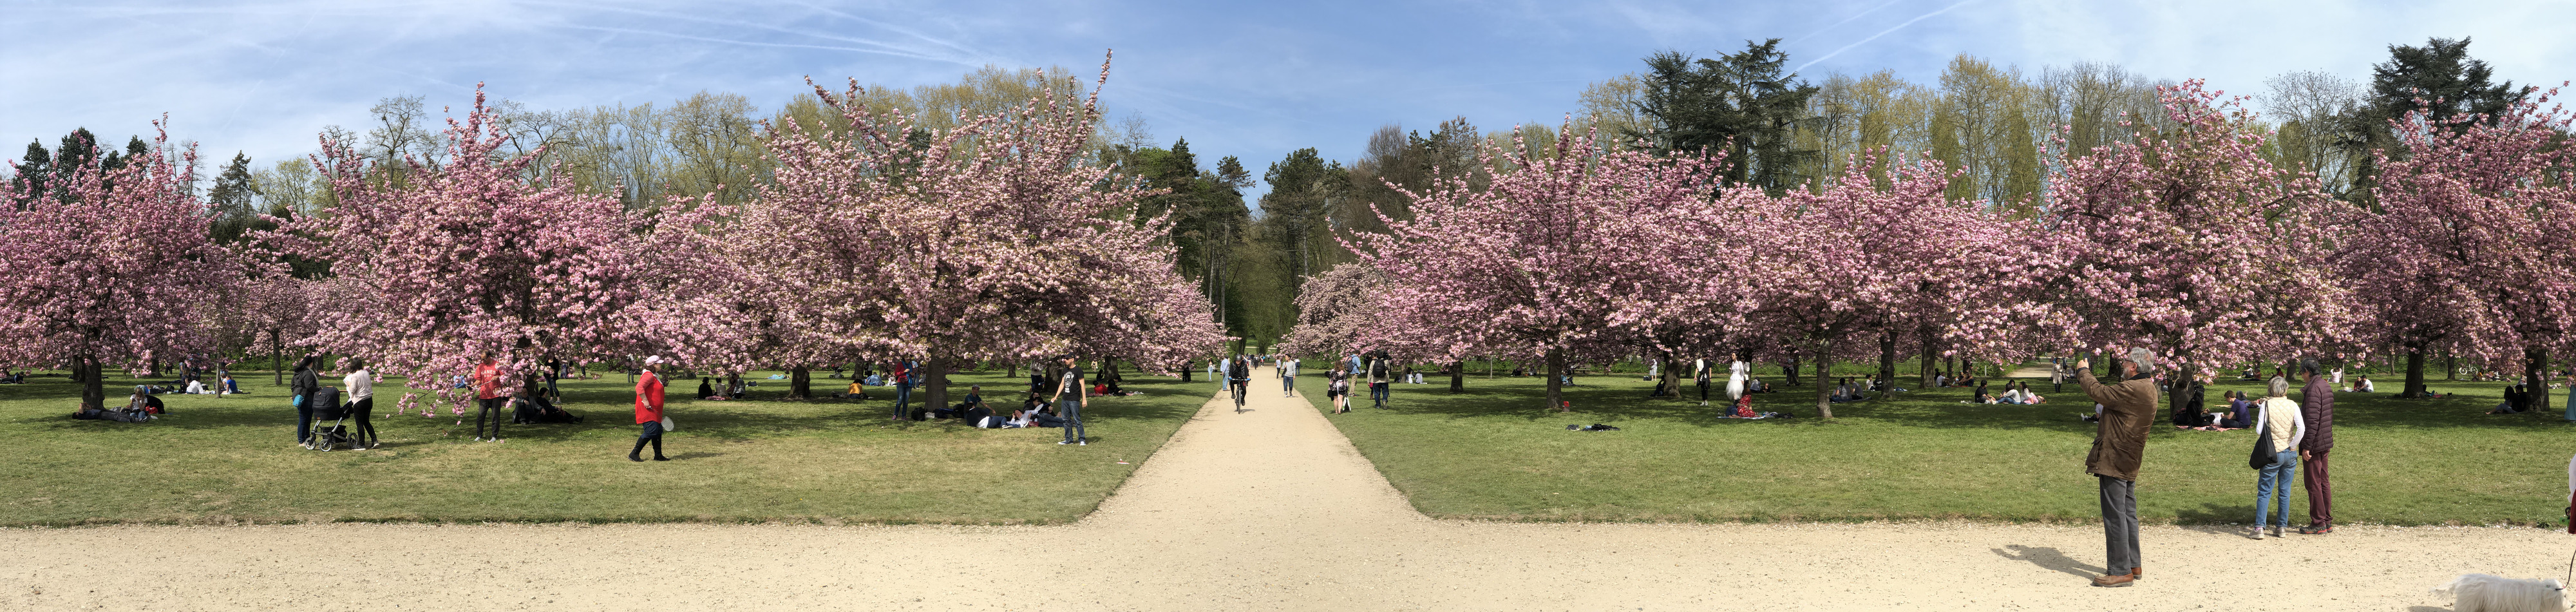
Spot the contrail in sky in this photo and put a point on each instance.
(1908, 22)
(1845, 20)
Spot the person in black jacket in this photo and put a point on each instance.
(302, 388)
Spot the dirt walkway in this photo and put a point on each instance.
(1269, 509)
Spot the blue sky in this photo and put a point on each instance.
(1254, 80)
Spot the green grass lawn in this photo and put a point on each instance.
(233, 459)
(1495, 452)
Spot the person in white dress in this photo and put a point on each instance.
(1736, 374)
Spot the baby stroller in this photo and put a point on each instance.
(326, 407)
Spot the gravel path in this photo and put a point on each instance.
(1269, 509)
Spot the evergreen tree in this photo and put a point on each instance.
(2439, 79)
(1741, 103)
(232, 200)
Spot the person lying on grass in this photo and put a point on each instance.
(138, 408)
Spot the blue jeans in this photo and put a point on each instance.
(303, 420)
(1377, 394)
(1071, 411)
(1288, 384)
(902, 399)
(2277, 478)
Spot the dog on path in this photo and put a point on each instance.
(2484, 593)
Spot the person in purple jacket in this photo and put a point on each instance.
(2316, 404)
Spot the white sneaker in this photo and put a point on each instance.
(1082, 443)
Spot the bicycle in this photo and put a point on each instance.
(1239, 385)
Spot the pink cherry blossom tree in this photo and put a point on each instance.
(275, 312)
(1856, 261)
(1568, 247)
(1331, 308)
(2474, 243)
(111, 267)
(2187, 242)
(990, 240)
(438, 266)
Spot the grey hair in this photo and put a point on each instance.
(2144, 360)
(2308, 366)
(2280, 387)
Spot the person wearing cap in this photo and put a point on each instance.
(2119, 441)
(648, 411)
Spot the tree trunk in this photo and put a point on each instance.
(800, 382)
(934, 392)
(1012, 370)
(1924, 367)
(1457, 377)
(2414, 372)
(1671, 383)
(1886, 364)
(2535, 379)
(93, 385)
(2450, 366)
(1555, 382)
(277, 357)
(1824, 380)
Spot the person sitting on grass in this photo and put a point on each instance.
(1846, 392)
(229, 385)
(2239, 414)
(856, 391)
(707, 389)
(2363, 385)
(2513, 401)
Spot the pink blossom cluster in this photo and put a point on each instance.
(111, 267)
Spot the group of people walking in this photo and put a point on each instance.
(2289, 436)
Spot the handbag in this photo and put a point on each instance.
(2264, 454)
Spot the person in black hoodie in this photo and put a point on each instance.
(302, 388)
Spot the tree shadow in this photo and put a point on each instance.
(2049, 558)
(1609, 399)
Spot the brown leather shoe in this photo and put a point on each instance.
(2137, 572)
(2115, 580)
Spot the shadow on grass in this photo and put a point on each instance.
(601, 410)
(1610, 399)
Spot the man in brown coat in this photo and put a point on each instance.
(2128, 410)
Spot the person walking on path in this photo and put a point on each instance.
(2119, 441)
(491, 398)
(2281, 420)
(1224, 371)
(360, 387)
(648, 412)
(2057, 375)
(302, 388)
(1288, 376)
(1070, 398)
(2316, 404)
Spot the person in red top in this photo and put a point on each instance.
(492, 397)
(648, 411)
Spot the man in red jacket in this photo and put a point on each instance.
(648, 411)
